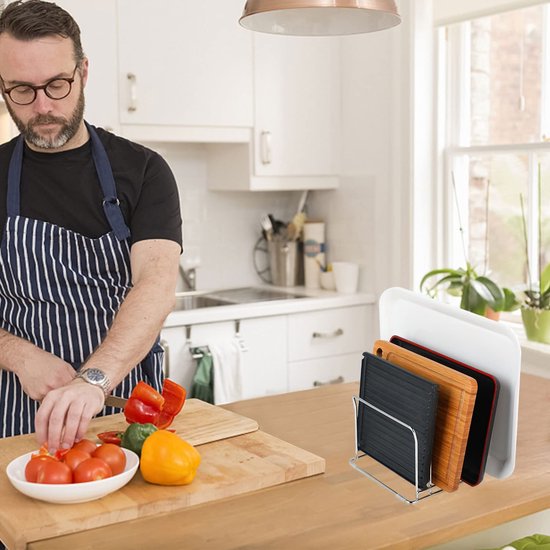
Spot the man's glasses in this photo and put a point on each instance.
(56, 88)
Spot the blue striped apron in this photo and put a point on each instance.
(61, 290)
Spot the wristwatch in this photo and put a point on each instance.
(95, 377)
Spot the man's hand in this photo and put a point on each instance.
(65, 413)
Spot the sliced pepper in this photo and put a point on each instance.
(135, 435)
(174, 398)
(144, 404)
(113, 436)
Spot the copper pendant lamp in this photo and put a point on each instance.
(319, 17)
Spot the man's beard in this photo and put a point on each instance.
(67, 131)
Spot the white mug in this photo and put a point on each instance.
(346, 276)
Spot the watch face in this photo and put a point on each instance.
(95, 375)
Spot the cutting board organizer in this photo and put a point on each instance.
(457, 394)
(237, 458)
(486, 345)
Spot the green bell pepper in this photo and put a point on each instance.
(134, 436)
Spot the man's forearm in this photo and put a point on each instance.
(142, 314)
(15, 351)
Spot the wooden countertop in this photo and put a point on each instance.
(342, 508)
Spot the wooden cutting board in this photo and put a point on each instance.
(456, 399)
(198, 423)
(230, 466)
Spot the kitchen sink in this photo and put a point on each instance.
(196, 301)
(255, 294)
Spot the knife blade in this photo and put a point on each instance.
(114, 401)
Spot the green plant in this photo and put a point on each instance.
(476, 292)
(538, 296)
(537, 293)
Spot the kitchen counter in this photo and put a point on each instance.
(341, 508)
(314, 299)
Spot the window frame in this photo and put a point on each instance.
(453, 140)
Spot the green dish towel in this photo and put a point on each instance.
(534, 542)
(203, 382)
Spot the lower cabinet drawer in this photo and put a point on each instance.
(304, 375)
(327, 333)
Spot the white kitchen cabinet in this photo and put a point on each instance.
(264, 358)
(185, 70)
(326, 346)
(304, 375)
(296, 137)
(265, 361)
(97, 22)
(297, 106)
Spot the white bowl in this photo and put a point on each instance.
(70, 493)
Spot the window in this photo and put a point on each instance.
(495, 119)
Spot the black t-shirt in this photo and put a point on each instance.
(63, 188)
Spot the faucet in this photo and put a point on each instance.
(189, 277)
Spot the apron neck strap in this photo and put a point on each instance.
(111, 204)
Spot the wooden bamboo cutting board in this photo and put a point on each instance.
(230, 466)
(457, 394)
(198, 422)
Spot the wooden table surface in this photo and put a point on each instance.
(341, 508)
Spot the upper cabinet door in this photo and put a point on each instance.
(297, 105)
(184, 63)
(97, 22)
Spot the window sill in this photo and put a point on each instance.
(535, 357)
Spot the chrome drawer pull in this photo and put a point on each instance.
(132, 105)
(337, 332)
(338, 380)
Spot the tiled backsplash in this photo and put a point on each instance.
(221, 227)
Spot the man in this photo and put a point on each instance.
(90, 240)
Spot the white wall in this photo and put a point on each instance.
(369, 218)
(221, 228)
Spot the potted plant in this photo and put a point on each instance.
(535, 304)
(535, 309)
(478, 293)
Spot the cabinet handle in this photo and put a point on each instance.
(133, 92)
(265, 147)
(338, 380)
(166, 367)
(335, 334)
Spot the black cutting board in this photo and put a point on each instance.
(410, 399)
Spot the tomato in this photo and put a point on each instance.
(91, 469)
(55, 472)
(113, 455)
(74, 457)
(85, 445)
(34, 465)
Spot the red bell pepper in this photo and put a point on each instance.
(144, 405)
(174, 398)
(114, 437)
(147, 405)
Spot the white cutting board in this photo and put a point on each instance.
(487, 345)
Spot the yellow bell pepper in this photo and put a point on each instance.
(166, 459)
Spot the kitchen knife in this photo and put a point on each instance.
(114, 401)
